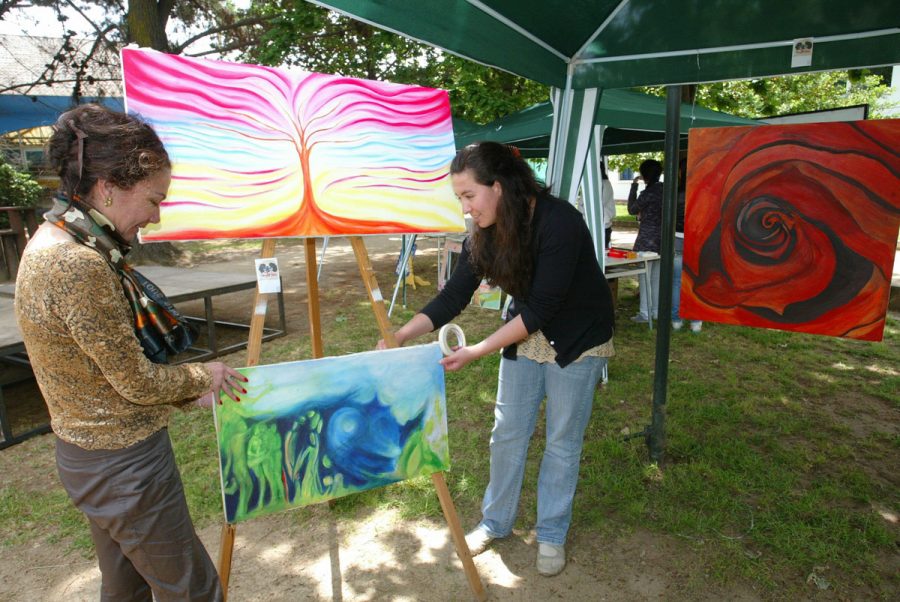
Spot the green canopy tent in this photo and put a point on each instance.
(634, 123)
(626, 122)
(581, 47)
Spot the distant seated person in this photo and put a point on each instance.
(648, 207)
(98, 336)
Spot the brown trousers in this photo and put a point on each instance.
(145, 540)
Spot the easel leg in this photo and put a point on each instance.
(456, 532)
(371, 283)
(225, 551)
(254, 347)
(258, 320)
(312, 293)
(384, 326)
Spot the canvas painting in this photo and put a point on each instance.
(793, 227)
(259, 152)
(310, 431)
(487, 296)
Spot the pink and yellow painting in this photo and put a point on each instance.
(259, 152)
(793, 227)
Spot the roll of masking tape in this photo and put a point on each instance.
(445, 331)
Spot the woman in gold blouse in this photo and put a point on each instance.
(98, 335)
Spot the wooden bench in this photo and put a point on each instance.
(22, 224)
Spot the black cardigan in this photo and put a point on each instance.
(568, 300)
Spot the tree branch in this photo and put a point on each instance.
(236, 25)
(89, 56)
(165, 9)
(100, 32)
(50, 82)
(8, 5)
(219, 49)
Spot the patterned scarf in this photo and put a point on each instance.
(162, 331)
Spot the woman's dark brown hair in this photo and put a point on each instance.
(91, 142)
(502, 252)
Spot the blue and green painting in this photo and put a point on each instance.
(310, 431)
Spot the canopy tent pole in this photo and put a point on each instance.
(574, 113)
(559, 101)
(570, 148)
(592, 189)
(656, 438)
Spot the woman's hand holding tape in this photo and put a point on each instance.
(458, 355)
(445, 331)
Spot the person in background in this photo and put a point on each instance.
(98, 335)
(677, 322)
(609, 204)
(648, 207)
(557, 336)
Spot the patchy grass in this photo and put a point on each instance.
(780, 465)
(623, 218)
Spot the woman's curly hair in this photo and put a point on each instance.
(92, 142)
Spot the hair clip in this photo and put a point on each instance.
(514, 151)
(81, 136)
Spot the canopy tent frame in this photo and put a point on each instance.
(635, 122)
(611, 54)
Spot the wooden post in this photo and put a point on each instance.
(258, 321)
(312, 294)
(440, 484)
(375, 297)
(226, 550)
(254, 348)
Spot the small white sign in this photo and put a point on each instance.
(801, 55)
(268, 278)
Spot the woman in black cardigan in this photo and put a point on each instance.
(555, 341)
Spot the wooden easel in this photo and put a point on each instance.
(254, 346)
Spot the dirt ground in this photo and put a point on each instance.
(381, 557)
(376, 555)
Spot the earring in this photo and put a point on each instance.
(107, 202)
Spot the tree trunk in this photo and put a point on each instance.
(688, 93)
(146, 23)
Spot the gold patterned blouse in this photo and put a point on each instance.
(100, 388)
(536, 347)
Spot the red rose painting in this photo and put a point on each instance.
(793, 227)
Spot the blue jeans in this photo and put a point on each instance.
(649, 299)
(570, 395)
(677, 268)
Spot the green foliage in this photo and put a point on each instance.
(481, 94)
(761, 98)
(315, 39)
(632, 161)
(17, 189)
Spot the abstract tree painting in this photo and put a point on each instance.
(259, 152)
(315, 430)
(793, 227)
